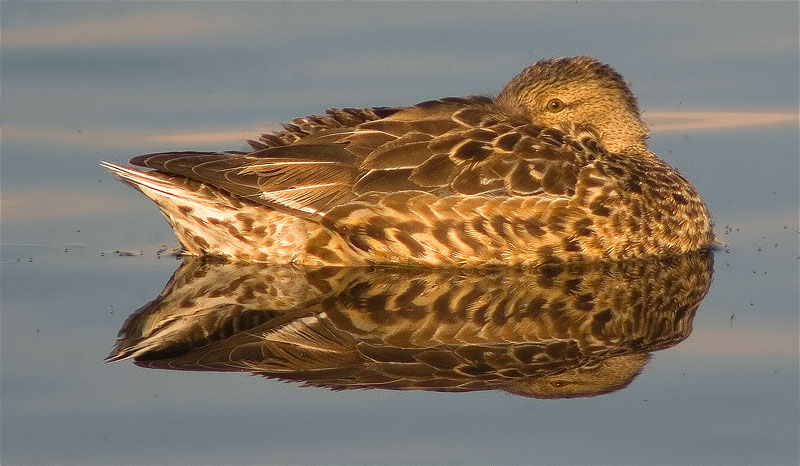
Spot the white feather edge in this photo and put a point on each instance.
(144, 181)
(155, 187)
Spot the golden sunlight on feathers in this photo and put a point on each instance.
(458, 181)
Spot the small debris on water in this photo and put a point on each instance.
(123, 253)
(169, 251)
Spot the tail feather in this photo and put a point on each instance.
(207, 220)
(151, 184)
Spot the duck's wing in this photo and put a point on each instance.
(302, 179)
(455, 146)
(303, 127)
(468, 146)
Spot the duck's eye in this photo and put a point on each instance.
(555, 105)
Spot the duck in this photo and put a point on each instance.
(554, 168)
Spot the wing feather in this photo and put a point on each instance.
(462, 146)
(303, 186)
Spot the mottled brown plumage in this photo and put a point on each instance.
(554, 168)
(563, 330)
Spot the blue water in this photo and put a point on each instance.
(84, 82)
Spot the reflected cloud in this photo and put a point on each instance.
(658, 122)
(37, 205)
(761, 343)
(131, 29)
(209, 137)
(687, 121)
(131, 138)
(551, 332)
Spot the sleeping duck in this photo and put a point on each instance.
(554, 168)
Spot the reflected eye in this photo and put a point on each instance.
(555, 105)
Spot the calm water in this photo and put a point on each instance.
(89, 82)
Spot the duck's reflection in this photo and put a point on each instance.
(556, 331)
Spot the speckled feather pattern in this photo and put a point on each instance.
(572, 329)
(453, 182)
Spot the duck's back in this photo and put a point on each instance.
(447, 182)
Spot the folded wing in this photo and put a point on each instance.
(455, 146)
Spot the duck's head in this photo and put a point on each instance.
(593, 379)
(578, 91)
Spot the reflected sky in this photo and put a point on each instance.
(84, 82)
(113, 60)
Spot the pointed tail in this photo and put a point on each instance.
(152, 184)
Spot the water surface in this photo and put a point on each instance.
(84, 82)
